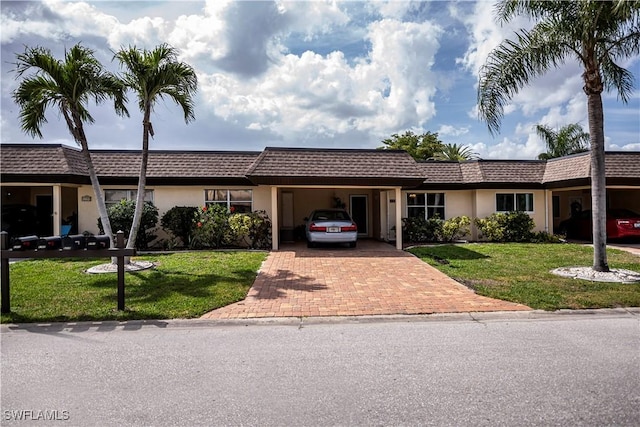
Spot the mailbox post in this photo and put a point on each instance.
(77, 250)
(4, 267)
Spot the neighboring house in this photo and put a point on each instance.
(378, 187)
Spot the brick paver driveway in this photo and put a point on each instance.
(373, 279)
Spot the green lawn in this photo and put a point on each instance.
(182, 285)
(520, 273)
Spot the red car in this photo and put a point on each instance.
(621, 223)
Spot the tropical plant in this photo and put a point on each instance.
(420, 147)
(455, 152)
(569, 139)
(598, 34)
(154, 75)
(69, 85)
(212, 228)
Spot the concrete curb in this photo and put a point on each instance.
(495, 316)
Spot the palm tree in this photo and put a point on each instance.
(569, 139)
(69, 85)
(455, 152)
(153, 75)
(596, 34)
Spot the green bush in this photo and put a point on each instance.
(253, 229)
(121, 218)
(180, 221)
(421, 230)
(454, 228)
(212, 228)
(506, 227)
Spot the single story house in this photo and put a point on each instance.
(378, 187)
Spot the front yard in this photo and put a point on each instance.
(189, 284)
(182, 285)
(520, 273)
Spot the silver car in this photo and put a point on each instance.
(331, 226)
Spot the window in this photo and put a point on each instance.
(425, 205)
(112, 197)
(508, 202)
(240, 201)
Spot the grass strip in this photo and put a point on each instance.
(520, 273)
(182, 285)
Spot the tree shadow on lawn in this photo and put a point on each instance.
(160, 285)
(442, 253)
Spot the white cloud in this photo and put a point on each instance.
(625, 147)
(527, 147)
(312, 94)
(445, 130)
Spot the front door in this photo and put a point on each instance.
(359, 212)
(44, 208)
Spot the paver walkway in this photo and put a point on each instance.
(373, 279)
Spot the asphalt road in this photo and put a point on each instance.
(493, 369)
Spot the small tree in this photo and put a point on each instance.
(155, 75)
(68, 85)
(420, 147)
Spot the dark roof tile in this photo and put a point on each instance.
(346, 163)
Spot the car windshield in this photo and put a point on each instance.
(330, 216)
(623, 213)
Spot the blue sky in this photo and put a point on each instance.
(308, 74)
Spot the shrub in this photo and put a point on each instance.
(254, 229)
(180, 221)
(121, 218)
(212, 228)
(544, 237)
(506, 227)
(419, 229)
(454, 228)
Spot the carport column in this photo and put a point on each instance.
(398, 218)
(274, 218)
(57, 209)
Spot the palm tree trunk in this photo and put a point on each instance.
(598, 181)
(142, 180)
(95, 184)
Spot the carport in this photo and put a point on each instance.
(368, 183)
(568, 181)
(55, 204)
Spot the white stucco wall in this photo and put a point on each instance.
(164, 198)
(486, 205)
